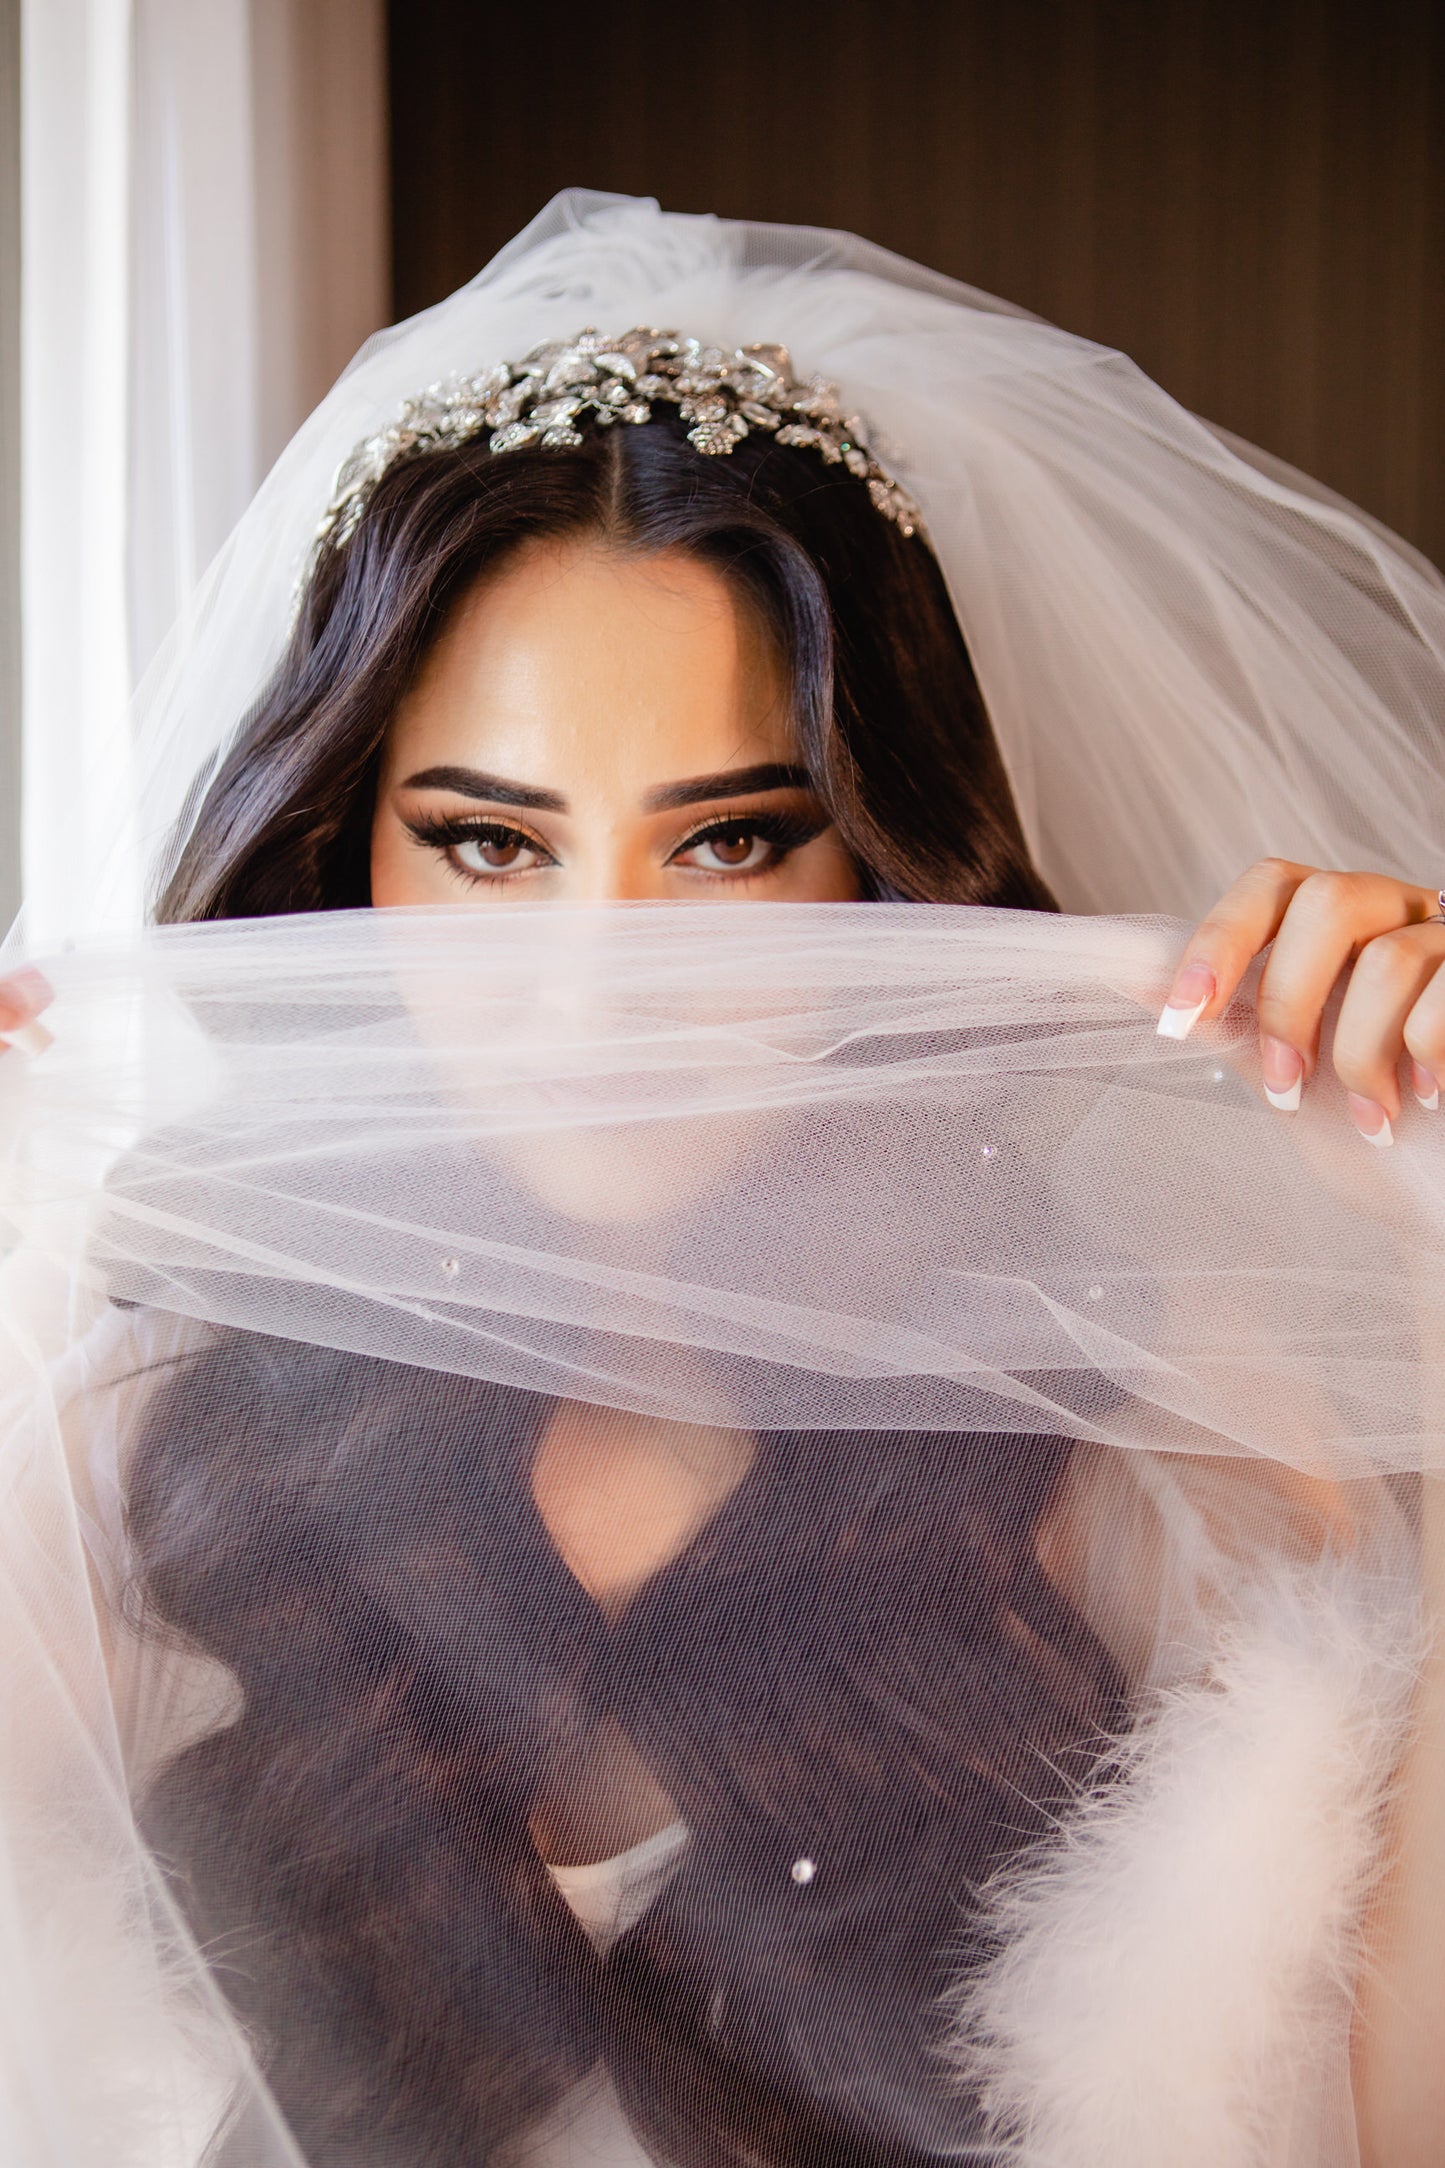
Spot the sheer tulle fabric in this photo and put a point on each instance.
(1022, 1699)
(873, 1163)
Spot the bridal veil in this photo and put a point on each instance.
(324, 1213)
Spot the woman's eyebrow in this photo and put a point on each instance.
(667, 798)
(476, 783)
(730, 783)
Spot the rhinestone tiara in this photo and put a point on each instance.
(561, 387)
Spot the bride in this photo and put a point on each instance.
(625, 1734)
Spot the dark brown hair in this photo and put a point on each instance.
(858, 1661)
(888, 713)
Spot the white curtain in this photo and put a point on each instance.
(204, 199)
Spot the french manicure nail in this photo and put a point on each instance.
(29, 1038)
(1284, 1074)
(1425, 1087)
(1189, 997)
(1371, 1120)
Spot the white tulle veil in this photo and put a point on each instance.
(883, 1175)
(1192, 656)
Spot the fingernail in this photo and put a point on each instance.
(1284, 1074)
(28, 1038)
(1189, 997)
(27, 988)
(1425, 1086)
(1371, 1120)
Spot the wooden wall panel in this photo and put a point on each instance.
(1249, 198)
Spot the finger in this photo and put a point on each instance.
(1425, 1041)
(22, 997)
(1425, 1084)
(1330, 918)
(1222, 947)
(1391, 975)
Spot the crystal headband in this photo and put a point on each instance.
(546, 399)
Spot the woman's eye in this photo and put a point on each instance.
(480, 850)
(731, 850)
(498, 850)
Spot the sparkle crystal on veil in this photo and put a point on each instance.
(724, 395)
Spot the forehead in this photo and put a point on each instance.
(574, 653)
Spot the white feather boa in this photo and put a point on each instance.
(1171, 1979)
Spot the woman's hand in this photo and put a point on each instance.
(1385, 935)
(22, 997)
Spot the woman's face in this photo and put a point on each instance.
(598, 727)
(594, 728)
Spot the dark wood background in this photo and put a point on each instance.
(1248, 198)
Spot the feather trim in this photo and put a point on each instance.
(1171, 1975)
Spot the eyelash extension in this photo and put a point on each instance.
(443, 831)
(787, 832)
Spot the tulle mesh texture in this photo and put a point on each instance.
(482, 1390)
(879, 1163)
